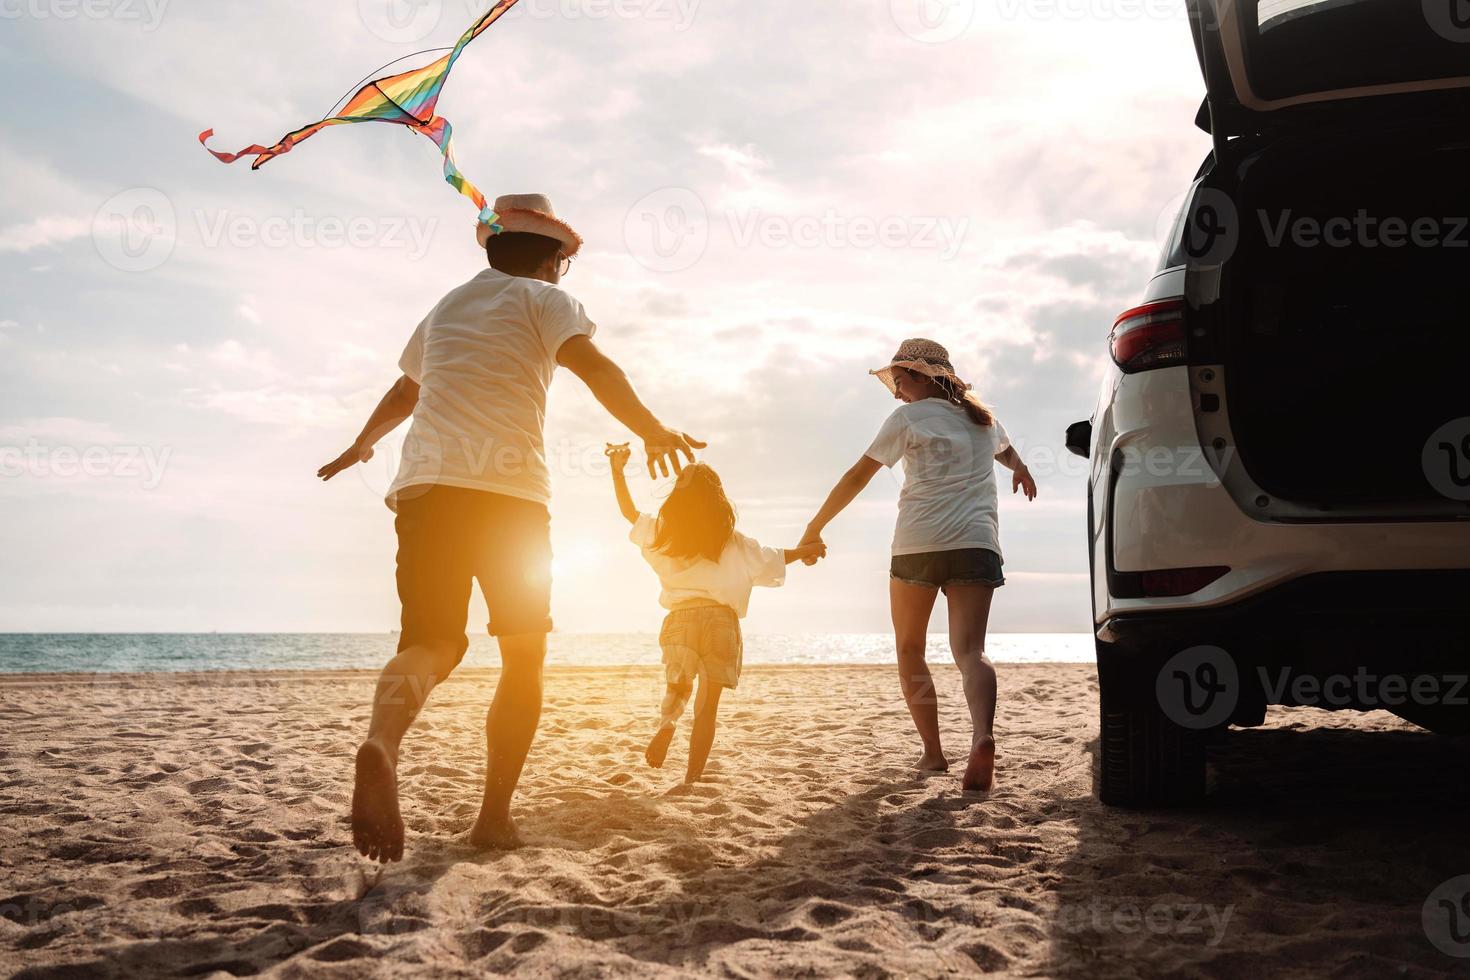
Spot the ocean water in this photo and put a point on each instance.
(179, 652)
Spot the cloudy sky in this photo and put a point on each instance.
(773, 194)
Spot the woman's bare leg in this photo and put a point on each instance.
(969, 617)
(676, 696)
(702, 733)
(911, 606)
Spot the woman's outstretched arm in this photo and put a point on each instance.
(1020, 473)
(844, 493)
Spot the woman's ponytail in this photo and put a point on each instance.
(977, 410)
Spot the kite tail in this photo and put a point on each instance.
(439, 130)
(263, 154)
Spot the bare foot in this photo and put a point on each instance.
(658, 746)
(377, 826)
(980, 773)
(496, 835)
(933, 762)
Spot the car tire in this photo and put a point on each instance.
(1146, 760)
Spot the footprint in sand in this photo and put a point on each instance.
(213, 784)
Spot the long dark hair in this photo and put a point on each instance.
(697, 520)
(965, 398)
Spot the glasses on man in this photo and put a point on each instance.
(563, 264)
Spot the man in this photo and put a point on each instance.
(471, 496)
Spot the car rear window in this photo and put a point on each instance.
(1301, 47)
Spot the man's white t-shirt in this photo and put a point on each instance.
(948, 501)
(743, 564)
(484, 359)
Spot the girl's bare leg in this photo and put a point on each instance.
(675, 698)
(969, 616)
(911, 606)
(702, 734)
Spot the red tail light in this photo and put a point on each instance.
(1180, 581)
(1149, 336)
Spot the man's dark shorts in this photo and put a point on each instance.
(450, 535)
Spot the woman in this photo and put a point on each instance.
(947, 537)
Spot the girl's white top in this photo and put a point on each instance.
(948, 500)
(743, 564)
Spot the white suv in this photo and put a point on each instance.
(1279, 493)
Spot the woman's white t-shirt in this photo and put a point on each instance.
(948, 500)
(743, 564)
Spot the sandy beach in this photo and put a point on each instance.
(195, 825)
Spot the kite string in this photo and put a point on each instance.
(369, 76)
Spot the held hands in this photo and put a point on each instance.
(349, 459)
(1021, 480)
(810, 553)
(814, 546)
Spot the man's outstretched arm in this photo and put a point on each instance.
(396, 406)
(612, 388)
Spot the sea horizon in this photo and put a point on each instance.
(165, 652)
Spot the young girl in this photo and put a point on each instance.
(707, 570)
(947, 538)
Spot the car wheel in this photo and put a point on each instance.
(1147, 760)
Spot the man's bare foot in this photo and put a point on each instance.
(377, 826)
(980, 773)
(933, 762)
(496, 835)
(658, 746)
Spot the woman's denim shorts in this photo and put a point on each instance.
(941, 569)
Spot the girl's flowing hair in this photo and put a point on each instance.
(697, 520)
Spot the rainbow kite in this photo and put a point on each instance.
(407, 100)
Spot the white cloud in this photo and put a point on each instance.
(43, 233)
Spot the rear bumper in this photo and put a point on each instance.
(1333, 640)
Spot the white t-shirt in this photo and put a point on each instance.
(742, 565)
(948, 500)
(484, 358)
